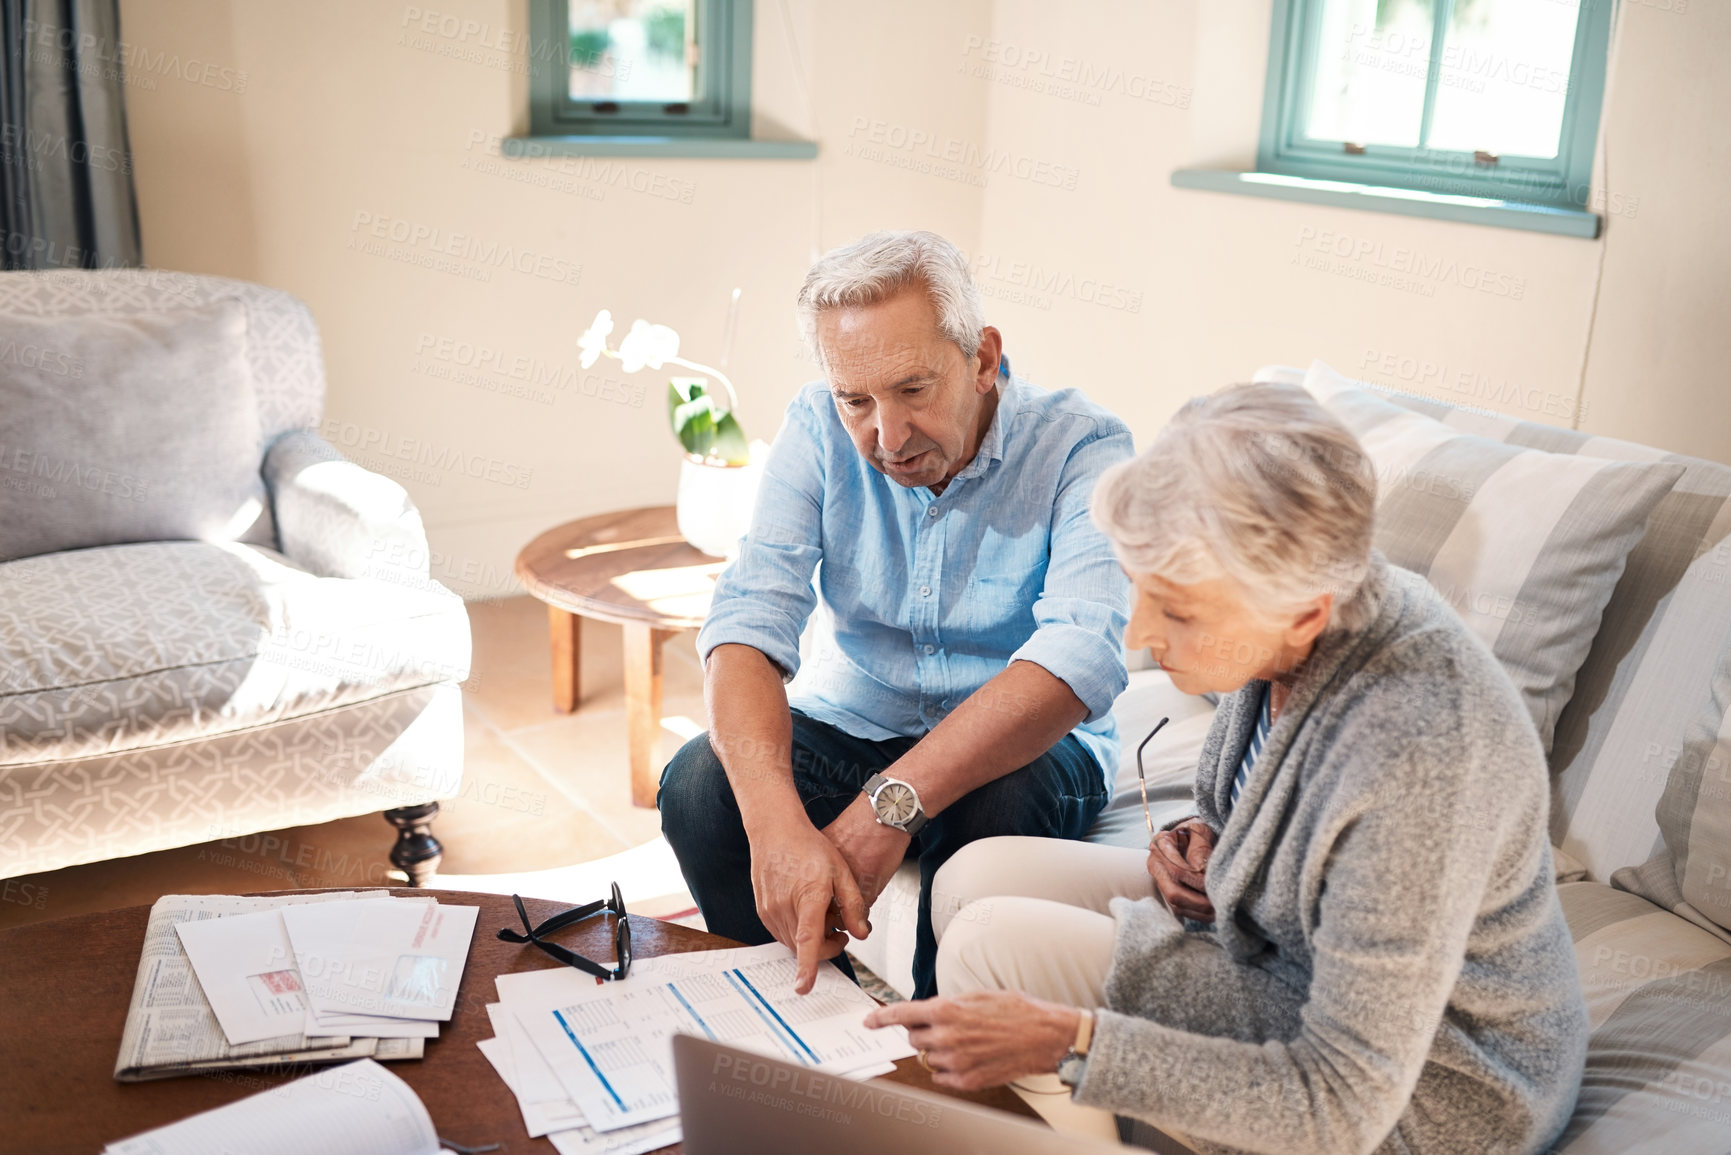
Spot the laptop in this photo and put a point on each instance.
(732, 1101)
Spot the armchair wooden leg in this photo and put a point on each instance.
(417, 852)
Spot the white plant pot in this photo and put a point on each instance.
(715, 503)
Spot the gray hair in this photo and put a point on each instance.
(1258, 484)
(878, 266)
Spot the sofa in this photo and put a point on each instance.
(211, 623)
(1631, 690)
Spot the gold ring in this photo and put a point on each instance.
(925, 1064)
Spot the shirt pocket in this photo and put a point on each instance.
(999, 603)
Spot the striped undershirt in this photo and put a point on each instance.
(1257, 738)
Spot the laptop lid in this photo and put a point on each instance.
(732, 1101)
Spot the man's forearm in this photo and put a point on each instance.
(1001, 727)
(751, 730)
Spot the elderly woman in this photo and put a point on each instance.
(1355, 944)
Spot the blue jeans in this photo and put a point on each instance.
(1057, 795)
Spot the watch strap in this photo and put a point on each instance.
(877, 782)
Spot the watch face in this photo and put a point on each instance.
(896, 804)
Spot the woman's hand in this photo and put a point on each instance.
(1178, 863)
(984, 1038)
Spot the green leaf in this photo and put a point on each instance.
(691, 410)
(730, 443)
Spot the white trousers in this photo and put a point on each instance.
(1030, 914)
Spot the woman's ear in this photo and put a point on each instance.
(1310, 623)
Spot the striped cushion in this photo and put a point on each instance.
(1658, 990)
(1650, 697)
(1527, 545)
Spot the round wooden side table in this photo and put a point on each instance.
(632, 568)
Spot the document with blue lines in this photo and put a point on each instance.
(610, 1044)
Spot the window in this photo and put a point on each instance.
(1483, 98)
(640, 68)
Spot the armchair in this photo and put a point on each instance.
(299, 666)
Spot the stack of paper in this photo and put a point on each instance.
(591, 1063)
(367, 967)
(171, 1028)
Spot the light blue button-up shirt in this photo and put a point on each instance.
(927, 598)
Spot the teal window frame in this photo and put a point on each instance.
(1563, 181)
(719, 110)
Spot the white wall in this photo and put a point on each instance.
(927, 114)
(330, 109)
(1229, 283)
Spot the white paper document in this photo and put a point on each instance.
(357, 1109)
(610, 1044)
(248, 975)
(381, 956)
(575, 1137)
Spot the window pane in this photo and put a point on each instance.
(634, 50)
(1371, 60)
(1505, 76)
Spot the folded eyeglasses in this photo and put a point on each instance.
(621, 935)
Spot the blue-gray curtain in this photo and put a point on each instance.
(66, 198)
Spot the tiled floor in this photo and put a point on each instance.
(545, 802)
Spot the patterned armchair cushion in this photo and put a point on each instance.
(124, 647)
(282, 347)
(283, 357)
(123, 428)
(1658, 1078)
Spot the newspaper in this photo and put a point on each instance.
(170, 1028)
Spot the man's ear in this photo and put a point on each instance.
(989, 357)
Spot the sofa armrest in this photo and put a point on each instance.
(336, 519)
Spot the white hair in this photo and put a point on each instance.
(1258, 484)
(878, 266)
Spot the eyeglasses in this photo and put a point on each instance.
(1142, 778)
(621, 935)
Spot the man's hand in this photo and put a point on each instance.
(801, 882)
(1178, 863)
(873, 851)
(984, 1038)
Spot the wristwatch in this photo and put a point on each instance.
(1074, 1064)
(895, 803)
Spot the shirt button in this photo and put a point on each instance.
(925, 591)
(931, 511)
(931, 649)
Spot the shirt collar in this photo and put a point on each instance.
(998, 432)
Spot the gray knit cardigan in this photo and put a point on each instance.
(1389, 969)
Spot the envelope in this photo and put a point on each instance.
(388, 956)
(248, 974)
(371, 1026)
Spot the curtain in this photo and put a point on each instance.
(66, 196)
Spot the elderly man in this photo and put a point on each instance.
(975, 619)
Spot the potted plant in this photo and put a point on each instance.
(719, 473)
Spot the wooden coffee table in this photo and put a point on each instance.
(65, 985)
(632, 568)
